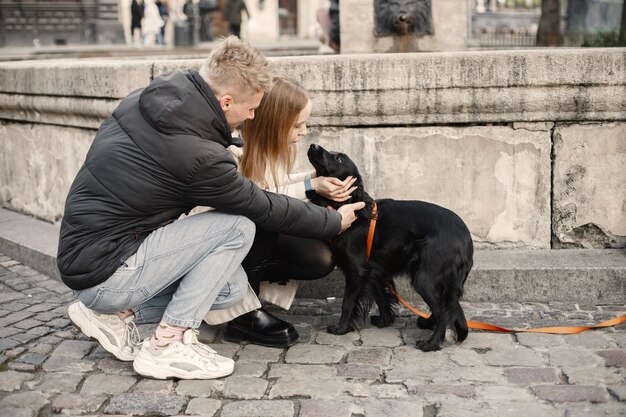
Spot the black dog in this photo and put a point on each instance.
(428, 242)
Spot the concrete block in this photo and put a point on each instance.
(590, 186)
(496, 178)
(106, 78)
(39, 163)
(33, 242)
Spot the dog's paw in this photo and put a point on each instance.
(427, 346)
(337, 329)
(380, 321)
(428, 323)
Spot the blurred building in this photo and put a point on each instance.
(84, 22)
(514, 23)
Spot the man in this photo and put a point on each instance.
(233, 12)
(162, 152)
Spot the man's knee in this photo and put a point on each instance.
(247, 228)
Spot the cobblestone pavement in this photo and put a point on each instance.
(49, 368)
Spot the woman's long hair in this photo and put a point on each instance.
(266, 147)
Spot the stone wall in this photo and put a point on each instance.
(529, 147)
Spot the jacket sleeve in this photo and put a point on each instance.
(218, 184)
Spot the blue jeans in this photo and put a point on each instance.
(180, 272)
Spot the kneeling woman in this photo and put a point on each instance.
(275, 260)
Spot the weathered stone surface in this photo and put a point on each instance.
(145, 403)
(467, 357)
(19, 412)
(393, 408)
(570, 393)
(539, 340)
(573, 357)
(616, 358)
(590, 185)
(258, 408)
(12, 380)
(588, 340)
(387, 337)
(245, 368)
(359, 370)
(531, 375)
(314, 354)
(75, 349)
(508, 210)
(33, 400)
(500, 409)
(153, 385)
(254, 353)
(464, 391)
(281, 370)
(244, 388)
(388, 391)
(514, 357)
(203, 406)
(199, 388)
(46, 201)
(595, 410)
(592, 375)
(618, 391)
(347, 340)
(87, 78)
(107, 384)
(314, 388)
(77, 403)
(55, 382)
(380, 356)
(317, 408)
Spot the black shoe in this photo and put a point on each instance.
(261, 328)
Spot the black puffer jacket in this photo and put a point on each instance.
(161, 153)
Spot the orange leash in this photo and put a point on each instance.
(492, 328)
(370, 233)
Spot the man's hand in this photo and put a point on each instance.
(348, 215)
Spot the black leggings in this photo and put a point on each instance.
(276, 257)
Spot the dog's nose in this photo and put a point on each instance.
(314, 146)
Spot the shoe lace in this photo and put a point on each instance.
(131, 335)
(190, 338)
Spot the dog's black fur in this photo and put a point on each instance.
(428, 242)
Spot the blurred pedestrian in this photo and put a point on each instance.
(136, 14)
(151, 24)
(232, 13)
(164, 12)
(206, 8)
(189, 9)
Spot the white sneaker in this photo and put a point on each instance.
(118, 337)
(186, 359)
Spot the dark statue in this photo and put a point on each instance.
(403, 17)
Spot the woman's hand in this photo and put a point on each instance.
(333, 188)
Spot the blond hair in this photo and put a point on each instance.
(235, 66)
(266, 137)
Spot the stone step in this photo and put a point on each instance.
(586, 276)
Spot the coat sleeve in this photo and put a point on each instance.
(218, 184)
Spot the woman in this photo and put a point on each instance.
(268, 156)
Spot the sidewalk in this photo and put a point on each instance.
(48, 368)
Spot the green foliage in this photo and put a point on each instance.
(603, 39)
